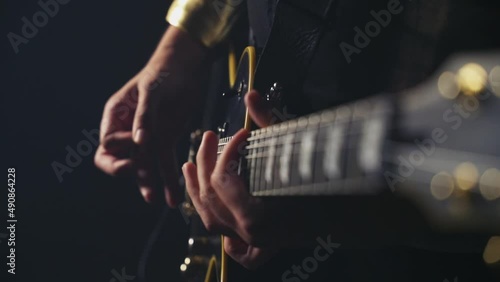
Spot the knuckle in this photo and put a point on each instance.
(206, 199)
(219, 180)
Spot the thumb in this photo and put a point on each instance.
(260, 111)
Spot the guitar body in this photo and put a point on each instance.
(232, 113)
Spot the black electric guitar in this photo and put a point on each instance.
(436, 144)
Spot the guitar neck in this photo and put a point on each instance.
(336, 151)
(408, 143)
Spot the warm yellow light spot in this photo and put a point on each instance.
(472, 78)
(187, 261)
(495, 80)
(489, 184)
(491, 252)
(466, 176)
(448, 85)
(442, 185)
(183, 267)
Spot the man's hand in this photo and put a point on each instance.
(222, 200)
(142, 121)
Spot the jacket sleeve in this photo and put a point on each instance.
(207, 20)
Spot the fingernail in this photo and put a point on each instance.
(139, 136)
(146, 195)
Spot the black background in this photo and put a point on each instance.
(55, 87)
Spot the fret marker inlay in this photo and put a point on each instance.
(334, 142)
(306, 154)
(270, 160)
(371, 144)
(285, 158)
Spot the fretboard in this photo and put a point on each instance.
(336, 151)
